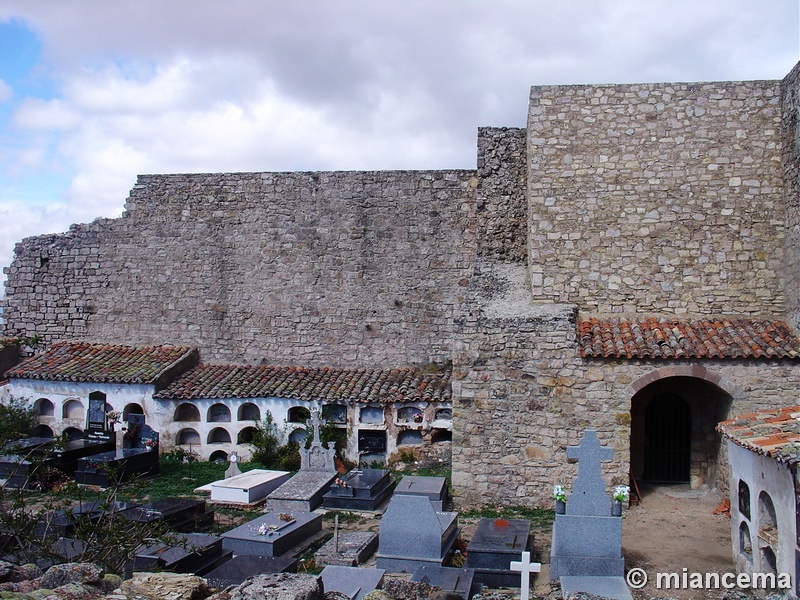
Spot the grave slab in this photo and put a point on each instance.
(414, 534)
(240, 568)
(120, 465)
(278, 535)
(303, 492)
(433, 488)
(354, 548)
(613, 588)
(185, 515)
(365, 489)
(198, 554)
(249, 487)
(352, 582)
(494, 544)
(449, 579)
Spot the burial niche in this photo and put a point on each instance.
(298, 414)
(249, 412)
(219, 435)
(409, 438)
(371, 414)
(188, 437)
(132, 409)
(73, 409)
(219, 413)
(245, 436)
(744, 498)
(186, 412)
(42, 431)
(44, 408)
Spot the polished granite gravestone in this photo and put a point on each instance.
(64, 522)
(434, 488)
(349, 549)
(65, 458)
(494, 544)
(587, 540)
(249, 487)
(235, 571)
(413, 534)
(365, 489)
(109, 468)
(194, 553)
(184, 515)
(272, 534)
(305, 490)
(17, 461)
(451, 580)
(352, 582)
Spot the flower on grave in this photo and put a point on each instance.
(417, 418)
(286, 517)
(150, 443)
(265, 529)
(622, 493)
(113, 416)
(559, 494)
(340, 483)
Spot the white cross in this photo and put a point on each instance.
(527, 567)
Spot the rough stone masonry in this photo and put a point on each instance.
(674, 201)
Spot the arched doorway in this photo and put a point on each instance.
(668, 440)
(673, 430)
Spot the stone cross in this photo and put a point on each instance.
(233, 469)
(588, 495)
(526, 567)
(315, 425)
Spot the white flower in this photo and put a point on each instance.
(622, 493)
(559, 493)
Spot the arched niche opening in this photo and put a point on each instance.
(444, 414)
(44, 408)
(188, 437)
(132, 409)
(334, 413)
(219, 413)
(299, 436)
(186, 412)
(42, 431)
(298, 414)
(219, 435)
(72, 409)
(249, 412)
(72, 433)
(745, 541)
(218, 456)
(245, 436)
(744, 498)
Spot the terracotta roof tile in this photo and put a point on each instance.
(708, 338)
(102, 363)
(310, 383)
(774, 433)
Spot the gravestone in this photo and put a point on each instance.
(587, 540)
(20, 458)
(194, 553)
(525, 567)
(238, 569)
(233, 468)
(272, 534)
(494, 544)
(347, 549)
(434, 488)
(304, 491)
(413, 534)
(352, 582)
(451, 581)
(184, 515)
(65, 458)
(365, 489)
(250, 487)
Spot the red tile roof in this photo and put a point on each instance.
(101, 363)
(708, 338)
(774, 433)
(308, 383)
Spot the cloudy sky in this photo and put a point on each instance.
(94, 92)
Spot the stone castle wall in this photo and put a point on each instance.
(790, 96)
(657, 198)
(347, 268)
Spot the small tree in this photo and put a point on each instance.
(17, 419)
(265, 441)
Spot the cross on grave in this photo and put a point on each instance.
(315, 425)
(588, 495)
(526, 567)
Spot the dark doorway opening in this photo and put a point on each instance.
(668, 435)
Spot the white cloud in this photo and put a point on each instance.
(6, 93)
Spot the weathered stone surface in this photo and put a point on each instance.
(59, 575)
(280, 586)
(163, 586)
